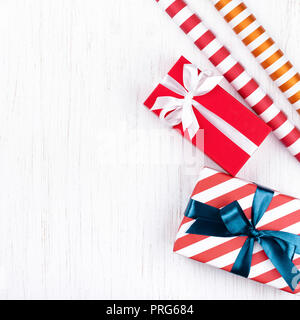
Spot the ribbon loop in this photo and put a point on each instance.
(280, 247)
(234, 219)
(181, 110)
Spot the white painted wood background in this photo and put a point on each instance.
(93, 186)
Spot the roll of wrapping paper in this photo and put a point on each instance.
(263, 47)
(234, 72)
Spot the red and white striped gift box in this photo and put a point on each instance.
(218, 190)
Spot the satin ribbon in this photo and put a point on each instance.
(230, 221)
(180, 110)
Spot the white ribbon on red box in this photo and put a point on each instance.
(175, 110)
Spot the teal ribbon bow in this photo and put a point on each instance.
(230, 221)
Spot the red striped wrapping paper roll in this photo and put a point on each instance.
(218, 190)
(234, 72)
(263, 47)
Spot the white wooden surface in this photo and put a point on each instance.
(92, 185)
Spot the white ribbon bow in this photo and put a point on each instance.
(176, 111)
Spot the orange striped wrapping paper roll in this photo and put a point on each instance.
(192, 25)
(263, 48)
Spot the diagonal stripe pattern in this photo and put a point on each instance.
(233, 71)
(218, 189)
(263, 47)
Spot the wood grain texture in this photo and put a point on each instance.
(92, 185)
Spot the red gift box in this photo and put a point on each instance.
(232, 133)
(214, 192)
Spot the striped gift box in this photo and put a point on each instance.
(218, 190)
